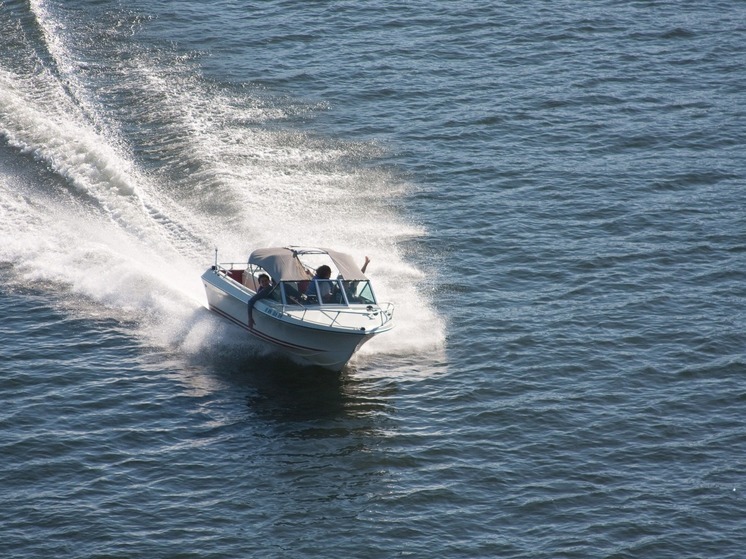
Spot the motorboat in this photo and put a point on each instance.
(305, 314)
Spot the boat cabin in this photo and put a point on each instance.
(292, 271)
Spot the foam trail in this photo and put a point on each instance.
(64, 64)
(106, 239)
(135, 243)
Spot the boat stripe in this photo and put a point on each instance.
(260, 335)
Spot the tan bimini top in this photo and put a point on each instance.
(285, 263)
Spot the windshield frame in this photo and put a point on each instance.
(306, 293)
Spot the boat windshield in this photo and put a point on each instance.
(328, 292)
(359, 292)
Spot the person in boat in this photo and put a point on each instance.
(323, 272)
(326, 289)
(265, 288)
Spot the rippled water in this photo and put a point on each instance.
(551, 193)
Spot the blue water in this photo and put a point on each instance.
(552, 194)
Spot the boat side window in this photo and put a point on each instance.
(275, 295)
(292, 293)
(359, 292)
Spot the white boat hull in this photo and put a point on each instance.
(323, 337)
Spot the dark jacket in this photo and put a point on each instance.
(261, 294)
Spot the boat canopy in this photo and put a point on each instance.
(284, 264)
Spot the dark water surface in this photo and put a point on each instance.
(551, 193)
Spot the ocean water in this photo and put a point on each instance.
(552, 194)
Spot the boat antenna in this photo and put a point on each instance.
(216, 257)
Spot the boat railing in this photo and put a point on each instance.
(237, 272)
(226, 266)
(384, 312)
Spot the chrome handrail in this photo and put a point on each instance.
(385, 312)
(222, 265)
